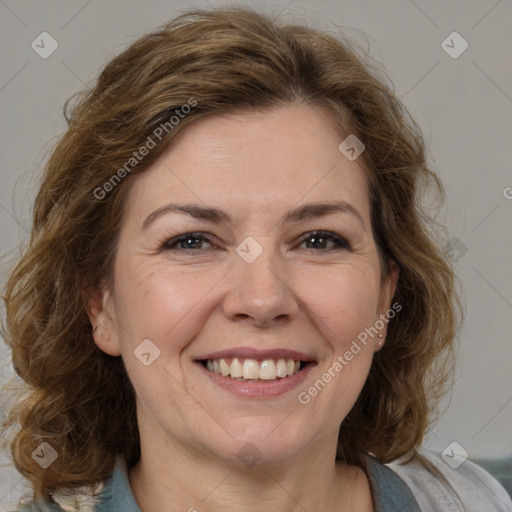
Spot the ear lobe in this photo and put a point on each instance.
(104, 332)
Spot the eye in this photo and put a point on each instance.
(187, 241)
(324, 241)
(314, 240)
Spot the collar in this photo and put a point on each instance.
(389, 491)
(117, 495)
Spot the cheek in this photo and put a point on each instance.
(343, 306)
(168, 307)
(165, 304)
(344, 301)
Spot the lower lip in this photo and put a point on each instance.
(258, 389)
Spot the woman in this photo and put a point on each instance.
(231, 299)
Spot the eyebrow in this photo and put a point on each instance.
(217, 216)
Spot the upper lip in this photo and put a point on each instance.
(256, 353)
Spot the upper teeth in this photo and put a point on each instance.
(268, 369)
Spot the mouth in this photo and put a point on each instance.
(247, 369)
(256, 372)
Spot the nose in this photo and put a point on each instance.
(259, 293)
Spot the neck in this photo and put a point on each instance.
(175, 477)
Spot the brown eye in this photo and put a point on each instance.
(324, 241)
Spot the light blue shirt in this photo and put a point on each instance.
(389, 491)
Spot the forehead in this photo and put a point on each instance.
(257, 162)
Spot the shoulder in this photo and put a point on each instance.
(112, 495)
(459, 486)
(81, 500)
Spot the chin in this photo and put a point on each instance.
(263, 443)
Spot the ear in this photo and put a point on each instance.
(387, 291)
(100, 310)
(388, 286)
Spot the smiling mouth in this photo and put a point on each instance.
(246, 369)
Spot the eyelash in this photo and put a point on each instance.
(339, 242)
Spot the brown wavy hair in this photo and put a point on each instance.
(79, 399)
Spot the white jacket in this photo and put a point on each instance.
(470, 488)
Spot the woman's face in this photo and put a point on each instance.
(249, 239)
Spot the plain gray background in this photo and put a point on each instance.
(463, 104)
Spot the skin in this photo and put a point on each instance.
(311, 298)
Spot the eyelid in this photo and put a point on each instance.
(343, 242)
(171, 243)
